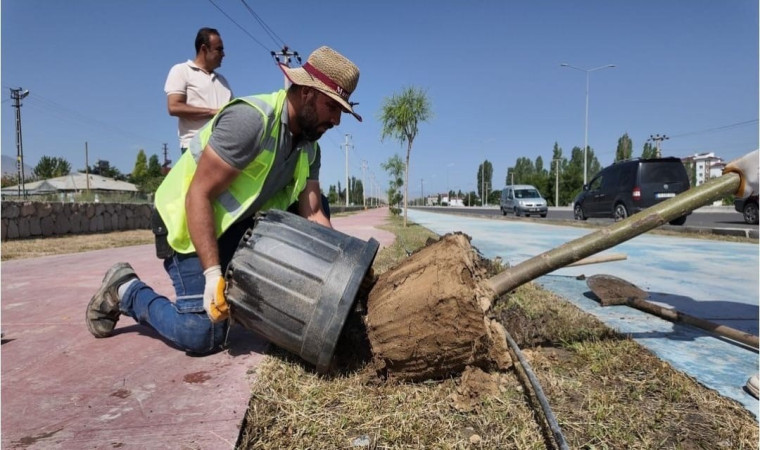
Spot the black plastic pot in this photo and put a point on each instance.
(294, 282)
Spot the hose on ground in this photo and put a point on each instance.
(550, 419)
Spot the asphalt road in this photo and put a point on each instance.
(709, 218)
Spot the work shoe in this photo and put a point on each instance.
(753, 384)
(103, 309)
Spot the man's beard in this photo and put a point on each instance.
(308, 121)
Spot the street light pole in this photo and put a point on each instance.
(348, 136)
(556, 181)
(585, 134)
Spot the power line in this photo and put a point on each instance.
(266, 27)
(724, 127)
(239, 26)
(49, 106)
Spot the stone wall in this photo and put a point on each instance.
(24, 220)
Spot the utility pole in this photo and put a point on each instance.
(16, 96)
(364, 178)
(347, 144)
(87, 166)
(165, 166)
(422, 191)
(556, 182)
(374, 192)
(284, 57)
(657, 140)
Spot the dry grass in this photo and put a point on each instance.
(609, 392)
(605, 390)
(291, 407)
(32, 248)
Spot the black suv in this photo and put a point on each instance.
(748, 208)
(627, 187)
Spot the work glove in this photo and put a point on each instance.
(213, 295)
(747, 167)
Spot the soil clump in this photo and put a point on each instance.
(427, 318)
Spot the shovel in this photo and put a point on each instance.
(612, 290)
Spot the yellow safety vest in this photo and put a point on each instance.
(244, 190)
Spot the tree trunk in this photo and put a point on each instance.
(406, 178)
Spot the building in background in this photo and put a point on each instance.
(702, 167)
(443, 199)
(67, 186)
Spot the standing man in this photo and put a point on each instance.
(258, 153)
(194, 91)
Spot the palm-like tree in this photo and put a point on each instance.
(401, 115)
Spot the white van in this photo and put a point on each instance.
(523, 199)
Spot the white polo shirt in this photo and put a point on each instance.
(205, 90)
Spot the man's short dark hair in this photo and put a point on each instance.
(204, 38)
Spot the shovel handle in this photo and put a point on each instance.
(614, 234)
(676, 316)
(596, 259)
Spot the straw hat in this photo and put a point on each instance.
(329, 72)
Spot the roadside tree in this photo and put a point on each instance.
(104, 169)
(649, 151)
(395, 168)
(140, 171)
(154, 166)
(571, 181)
(484, 177)
(401, 115)
(51, 167)
(624, 148)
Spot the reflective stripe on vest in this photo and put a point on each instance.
(244, 190)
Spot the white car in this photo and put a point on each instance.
(523, 199)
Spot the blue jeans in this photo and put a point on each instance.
(184, 322)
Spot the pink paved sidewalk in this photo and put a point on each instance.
(62, 388)
(363, 225)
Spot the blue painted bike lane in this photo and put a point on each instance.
(712, 280)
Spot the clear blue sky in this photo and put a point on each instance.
(687, 69)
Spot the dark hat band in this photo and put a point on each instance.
(316, 73)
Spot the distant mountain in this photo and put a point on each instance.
(9, 167)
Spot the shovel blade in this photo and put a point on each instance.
(611, 290)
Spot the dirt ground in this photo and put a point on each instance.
(426, 318)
